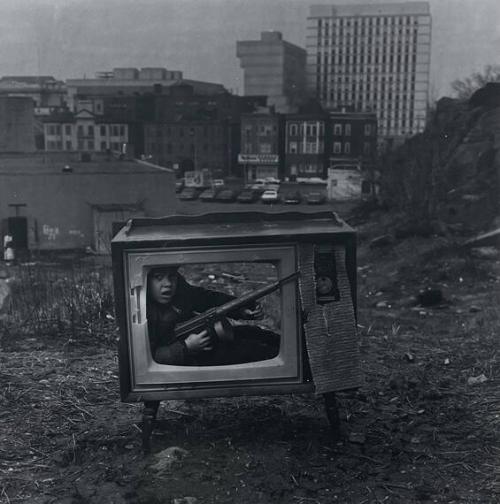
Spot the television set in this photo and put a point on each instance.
(297, 269)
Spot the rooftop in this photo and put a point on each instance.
(53, 163)
(383, 9)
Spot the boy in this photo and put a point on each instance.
(171, 299)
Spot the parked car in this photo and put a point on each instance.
(179, 185)
(292, 198)
(226, 195)
(209, 194)
(270, 196)
(189, 193)
(217, 182)
(258, 184)
(315, 198)
(248, 196)
(272, 180)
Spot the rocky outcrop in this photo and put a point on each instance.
(451, 172)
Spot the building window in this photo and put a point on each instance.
(348, 129)
(90, 130)
(114, 130)
(337, 147)
(337, 129)
(90, 145)
(311, 148)
(347, 148)
(67, 129)
(80, 144)
(366, 148)
(103, 146)
(265, 148)
(293, 130)
(103, 130)
(247, 148)
(69, 146)
(368, 129)
(122, 130)
(292, 148)
(265, 129)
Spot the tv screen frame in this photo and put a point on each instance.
(239, 237)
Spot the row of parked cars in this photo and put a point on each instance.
(251, 194)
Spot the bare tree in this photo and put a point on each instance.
(464, 88)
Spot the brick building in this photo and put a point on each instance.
(262, 146)
(195, 131)
(305, 145)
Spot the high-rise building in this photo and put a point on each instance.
(372, 57)
(274, 68)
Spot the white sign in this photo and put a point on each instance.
(258, 158)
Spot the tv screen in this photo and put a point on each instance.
(233, 304)
(235, 320)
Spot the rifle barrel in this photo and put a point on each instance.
(254, 295)
(199, 322)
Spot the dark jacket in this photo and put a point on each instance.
(187, 302)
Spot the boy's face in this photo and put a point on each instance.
(162, 284)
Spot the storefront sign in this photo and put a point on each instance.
(258, 158)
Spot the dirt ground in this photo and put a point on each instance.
(423, 428)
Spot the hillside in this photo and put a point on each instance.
(447, 178)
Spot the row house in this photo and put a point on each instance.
(193, 131)
(261, 154)
(306, 145)
(84, 132)
(353, 139)
(305, 150)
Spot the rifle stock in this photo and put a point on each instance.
(208, 318)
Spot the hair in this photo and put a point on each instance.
(158, 269)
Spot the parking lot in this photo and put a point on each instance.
(290, 197)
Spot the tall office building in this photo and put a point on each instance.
(372, 57)
(274, 68)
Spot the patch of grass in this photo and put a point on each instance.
(73, 300)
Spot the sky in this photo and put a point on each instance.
(76, 38)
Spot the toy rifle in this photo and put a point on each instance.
(214, 320)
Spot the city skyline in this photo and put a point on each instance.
(73, 38)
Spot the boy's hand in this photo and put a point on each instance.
(199, 342)
(252, 314)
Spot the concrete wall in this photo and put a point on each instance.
(61, 207)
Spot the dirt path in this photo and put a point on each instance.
(419, 430)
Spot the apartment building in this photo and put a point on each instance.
(372, 57)
(84, 132)
(262, 143)
(305, 138)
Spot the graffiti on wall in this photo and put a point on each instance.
(50, 232)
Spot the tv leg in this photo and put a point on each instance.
(148, 417)
(332, 413)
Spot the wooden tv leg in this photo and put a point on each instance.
(332, 413)
(148, 417)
